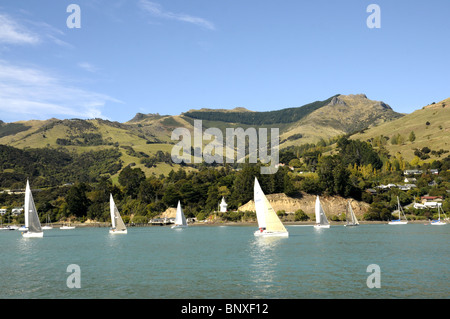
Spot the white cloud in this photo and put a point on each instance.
(88, 67)
(27, 92)
(156, 10)
(12, 32)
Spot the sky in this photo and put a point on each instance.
(170, 56)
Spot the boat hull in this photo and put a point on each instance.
(397, 223)
(438, 223)
(67, 227)
(321, 226)
(178, 226)
(112, 231)
(264, 233)
(33, 235)
(47, 227)
(351, 225)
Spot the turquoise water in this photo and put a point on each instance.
(205, 262)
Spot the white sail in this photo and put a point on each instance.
(268, 221)
(180, 219)
(118, 226)
(32, 223)
(321, 218)
(259, 204)
(352, 221)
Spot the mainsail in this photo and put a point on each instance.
(267, 218)
(31, 217)
(321, 218)
(352, 220)
(116, 220)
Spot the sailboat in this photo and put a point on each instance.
(48, 224)
(399, 221)
(32, 222)
(180, 220)
(438, 221)
(352, 221)
(321, 218)
(268, 222)
(67, 227)
(118, 226)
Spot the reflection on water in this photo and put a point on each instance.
(263, 253)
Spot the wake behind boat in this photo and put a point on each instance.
(180, 219)
(32, 223)
(269, 223)
(118, 226)
(321, 218)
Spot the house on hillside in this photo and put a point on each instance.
(16, 211)
(3, 211)
(412, 172)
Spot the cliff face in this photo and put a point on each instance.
(332, 205)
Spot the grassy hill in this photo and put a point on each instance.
(145, 140)
(431, 127)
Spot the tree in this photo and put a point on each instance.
(300, 215)
(412, 136)
(77, 202)
(131, 179)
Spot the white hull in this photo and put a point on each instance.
(321, 226)
(33, 235)
(47, 227)
(6, 228)
(67, 227)
(397, 223)
(112, 231)
(438, 223)
(23, 228)
(264, 233)
(179, 226)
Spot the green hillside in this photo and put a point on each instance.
(428, 127)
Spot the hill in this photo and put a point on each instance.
(430, 126)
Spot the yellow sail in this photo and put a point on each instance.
(273, 223)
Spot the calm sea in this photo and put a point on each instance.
(210, 262)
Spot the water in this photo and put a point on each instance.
(206, 262)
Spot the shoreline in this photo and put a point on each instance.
(308, 223)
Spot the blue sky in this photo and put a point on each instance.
(170, 56)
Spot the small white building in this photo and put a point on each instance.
(17, 211)
(3, 211)
(223, 206)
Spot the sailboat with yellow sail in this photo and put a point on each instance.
(269, 223)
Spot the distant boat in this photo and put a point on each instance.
(118, 226)
(32, 223)
(180, 220)
(352, 221)
(67, 227)
(268, 222)
(48, 224)
(321, 218)
(399, 221)
(438, 221)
